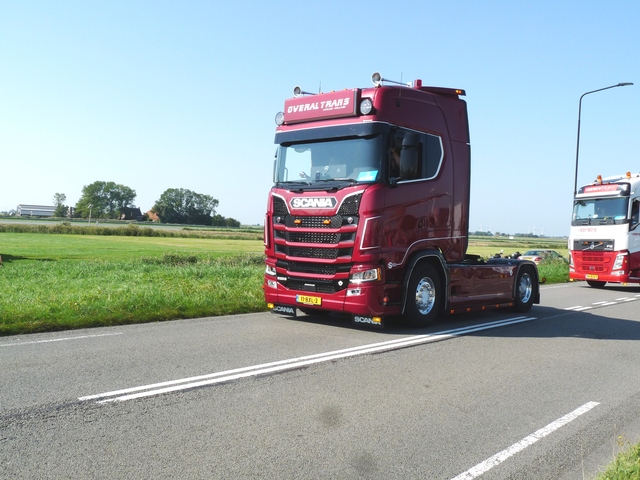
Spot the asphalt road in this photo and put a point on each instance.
(495, 395)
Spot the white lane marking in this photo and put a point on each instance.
(64, 339)
(578, 308)
(292, 363)
(603, 303)
(500, 457)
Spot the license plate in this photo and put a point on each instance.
(591, 276)
(308, 300)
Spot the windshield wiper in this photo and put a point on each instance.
(350, 180)
(295, 182)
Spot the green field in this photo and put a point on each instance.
(55, 282)
(52, 281)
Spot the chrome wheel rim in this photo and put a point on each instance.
(425, 296)
(525, 288)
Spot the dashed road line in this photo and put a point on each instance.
(63, 339)
(602, 303)
(500, 457)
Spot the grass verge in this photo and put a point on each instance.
(625, 466)
(65, 281)
(42, 296)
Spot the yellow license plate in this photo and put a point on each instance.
(591, 277)
(307, 300)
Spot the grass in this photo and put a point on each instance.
(625, 466)
(78, 279)
(59, 282)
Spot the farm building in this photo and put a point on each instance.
(35, 210)
(131, 213)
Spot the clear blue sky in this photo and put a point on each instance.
(182, 94)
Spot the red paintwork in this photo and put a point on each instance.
(395, 223)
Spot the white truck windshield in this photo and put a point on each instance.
(600, 211)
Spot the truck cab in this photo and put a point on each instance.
(369, 210)
(604, 242)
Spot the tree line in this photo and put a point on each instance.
(110, 200)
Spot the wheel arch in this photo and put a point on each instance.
(532, 268)
(433, 257)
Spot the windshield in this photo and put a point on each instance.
(600, 211)
(351, 160)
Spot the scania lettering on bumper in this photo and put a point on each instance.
(374, 321)
(284, 310)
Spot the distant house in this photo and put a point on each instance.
(131, 213)
(153, 216)
(24, 210)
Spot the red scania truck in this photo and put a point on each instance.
(604, 242)
(368, 214)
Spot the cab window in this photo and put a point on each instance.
(414, 156)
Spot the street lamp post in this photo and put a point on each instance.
(90, 206)
(624, 84)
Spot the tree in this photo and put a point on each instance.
(179, 205)
(220, 221)
(61, 208)
(104, 200)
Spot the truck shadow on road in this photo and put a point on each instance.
(547, 322)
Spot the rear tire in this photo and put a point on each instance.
(596, 283)
(424, 296)
(525, 290)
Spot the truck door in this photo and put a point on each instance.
(634, 237)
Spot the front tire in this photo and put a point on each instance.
(424, 296)
(525, 290)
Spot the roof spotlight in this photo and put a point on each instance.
(297, 91)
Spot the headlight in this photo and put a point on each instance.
(270, 270)
(617, 265)
(370, 275)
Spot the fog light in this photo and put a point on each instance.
(353, 292)
(272, 283)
